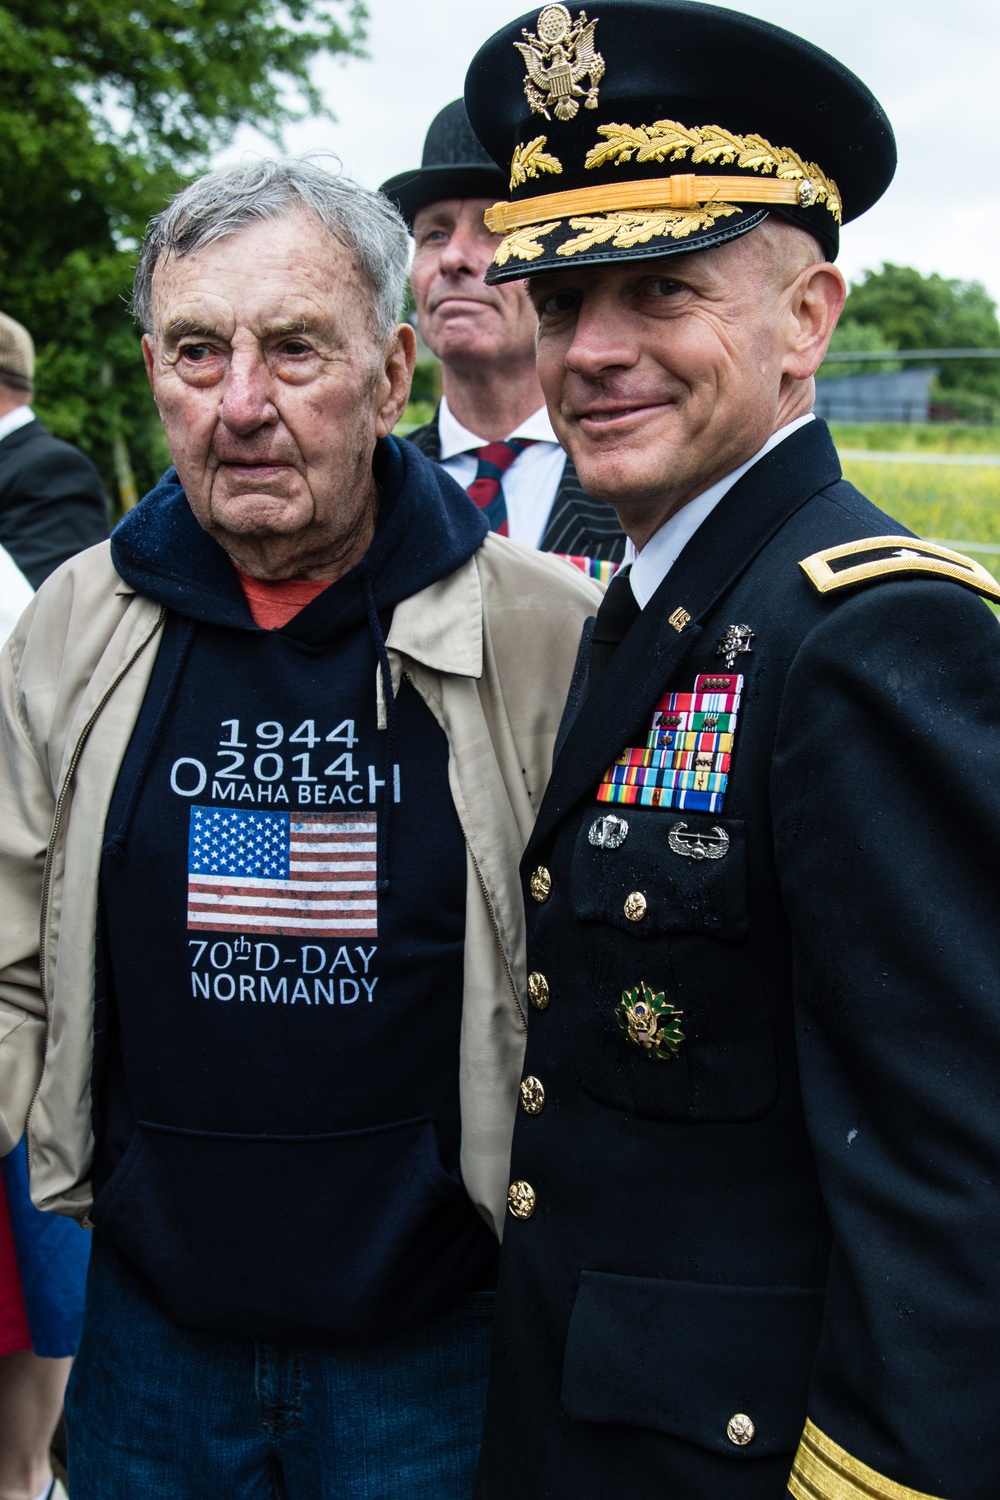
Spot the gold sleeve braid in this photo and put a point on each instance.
(824, 1471)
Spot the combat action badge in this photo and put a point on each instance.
(558, 59)
(649, 1021)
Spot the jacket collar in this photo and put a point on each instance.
(722, 548)
(442, 626)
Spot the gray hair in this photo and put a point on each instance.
(223, 202)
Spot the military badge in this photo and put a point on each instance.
(608, 832)
(685, 760)
(649, 1021)
(558, 59)
(699, 846)
(737, 641)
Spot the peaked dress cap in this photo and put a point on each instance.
(454, 166)
(653, 127)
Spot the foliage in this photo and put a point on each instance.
(907, 310)
(916, 437)
(104, 110)
(951, 504)
(852, 337)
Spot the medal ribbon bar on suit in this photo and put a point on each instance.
(682, 763)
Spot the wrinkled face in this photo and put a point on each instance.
(271, 386)
(662, 376)
(463, 321)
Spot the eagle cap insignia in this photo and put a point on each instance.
(558, 58)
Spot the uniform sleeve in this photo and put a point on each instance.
(26, 809)
(58, 510)
(886, 809)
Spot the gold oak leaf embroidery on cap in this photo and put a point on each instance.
(669, 140)
(626, 230)
(523, 243)
(531, 161)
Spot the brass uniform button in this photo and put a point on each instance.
(635, 906)
(740, 1430)
(521, 1200)
(532, 1095)
(538, 990)
(540, 884)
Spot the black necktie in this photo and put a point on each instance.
(618, 612)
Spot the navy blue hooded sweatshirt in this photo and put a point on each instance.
(282, 911)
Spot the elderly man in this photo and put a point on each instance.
(266, 768)
(491, 431)
(755, 1220)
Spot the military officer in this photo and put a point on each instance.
(755, 1187)
(491, 430)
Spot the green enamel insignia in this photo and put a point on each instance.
(649, 1021)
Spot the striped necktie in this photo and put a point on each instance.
(486, 489)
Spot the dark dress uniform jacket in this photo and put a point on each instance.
(577, 523)
(798, 1215)
(52, 504)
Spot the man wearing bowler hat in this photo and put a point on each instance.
(754, 1209)
(491, 430)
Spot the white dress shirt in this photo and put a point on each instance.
(529, 485)
(19, 417)
(653, 563)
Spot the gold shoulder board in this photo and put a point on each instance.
(878, 557)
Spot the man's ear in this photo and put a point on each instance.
(147, 356)
(816, 299)
(396, 379)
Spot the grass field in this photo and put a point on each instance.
(959, 504)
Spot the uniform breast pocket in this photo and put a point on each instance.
(680, 1027)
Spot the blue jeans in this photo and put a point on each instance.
(155, 1412)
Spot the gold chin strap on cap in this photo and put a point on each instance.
(680, 191)
(825, 1471)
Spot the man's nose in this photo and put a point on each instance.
(248, 397)
(600, 341)
(460, 254)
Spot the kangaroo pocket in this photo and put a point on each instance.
(684, 1358)
(337, 1238)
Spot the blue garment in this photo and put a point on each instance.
(277, 1040)
(156, 1412)
(52, 1254)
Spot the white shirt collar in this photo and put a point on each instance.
(653, 563)
(19, 417)
(458, 439)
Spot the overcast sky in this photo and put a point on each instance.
(935, 67)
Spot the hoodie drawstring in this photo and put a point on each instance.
(388, 761)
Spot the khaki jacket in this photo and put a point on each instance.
(490, 649)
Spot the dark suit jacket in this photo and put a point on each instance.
(52, 504)
(798, 1216)
(577, 523)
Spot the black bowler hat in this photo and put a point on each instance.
(454, 166)
(662, 126)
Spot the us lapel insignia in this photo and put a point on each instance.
(557, 61)
(737, 641)
(650, 1022)
(685, 760)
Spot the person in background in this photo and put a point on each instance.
(491, 430)
(284, 740)
(52, 503)
(754, 1210)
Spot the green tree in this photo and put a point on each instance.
(907, 310)
(104, 111)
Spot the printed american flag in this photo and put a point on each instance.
(288, 874)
